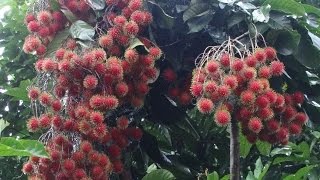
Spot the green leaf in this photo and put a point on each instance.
(70, 16)
(82, 30)
(134, 43)
(258, 169)
(197, 23)
(279, 21)
(286, 150)
(263, 147)
(287, 6)
(245, 146)
(19, 93)
(228, 1)
(163, 19)
(97, 4)
(151, 168)
(194, 10)
(261, 14)
(300, 174)
(285, 42)
(12, 147)
(54, 5)
(3, 124)
(311, 9)
(264, 171)
(226, 177)
(57, 41)
(213, 176)
(159, 174)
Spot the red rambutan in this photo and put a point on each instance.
(33, 93)
(249, 73)
(155, 52)
(273, 125)
(224, 91)
(121, 89)
(110, 102)
(300, 118)
(86, 147)
(247, 97)
(251, 61)
(277, 68)
(114, 151)
(131, 55)
(222, 117)
(237, 65)
(212, 66)
(69, 165)
(270, 53)
(117, 166)
(27, 168)
(196, 89)
(135, 4)
(231, 81)
(131, 28)
(90, 82)
(169, 75)
(205, 105)
(96, 117)
(255, 125)
(122, 122)
(33, 26)
(298, 97)
(260, 55)
(262, 102)
(295, 128)
(265, 72)
(45, 99)
(44, 17)
(33, 124)
(225, 60)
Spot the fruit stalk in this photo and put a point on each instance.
(234, 151)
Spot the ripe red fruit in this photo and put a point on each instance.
(34, 93)
(79, 174)
(262, 102)
(103, 160)
(169, 75)
(105, 41)
(249, 73)
(122, 122)
(131, 55)
(155, 52)
(97, 102)
(277, 68)
(251, 61)
(295, 128)
(212, 66)
(69, 165)
(282, 134)
(298, 97)
(265, 113)
(231, 81)
(270, 52)
(90, 82)
(131, 28)
(255, 125)
(27, 168)
(33, 26)
(265, 72)
(56, 105)
(225, 60)
(237, 65)
(121, 89)
(86, 147)
(205, 105)
(138, 17)
(224, 91)
(222, 117)
(49, 65)
(173, 92)
(142, 88)
(273, 125)
(120, 21)
(44, 17)
(196, 89)
(29, 18)
(247, 97)
(110, 102)
(117, 167)
(300, 118)
(44, 121)
(96, 117)
(279, 101)
(45, 99)
(44, 32)
(135, 133)
(255, 86)
(271, 95)
(78, 156)
(289, 113)
(260, 55)
(97, 171)
(114, 151)
(57, 122)
(210, 87)
(135, 4)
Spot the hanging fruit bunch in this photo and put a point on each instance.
(82, 96)
(231, 81)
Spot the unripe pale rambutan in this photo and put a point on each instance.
(205, 105)
(222, 117)
(121, 89)
(300, 118)
(298, 97)
(249, 73)
(255, 125)
(265, 113)
(277, 68)
(212, 66)
(270, 53)
(120, 21)
(45, 99)
(135, 4)
(44, 17)
(68, 165)
(131, 28)
(260, 55)
(33, 93)
(27, 168)
(90, 82)
(44, 121)
(196, 89)
(251, 61)
(247, 97)
(122, 122)
(295, 128)
(105, 41)
(255, 86)
(185, 98)
(225, 60)
(262, 101)
(169, 75)
(33, 124)
(96, 117)
(224, 91)
(155, 52)
(210, 87)
(265, 72)
(33, 26)
(131, 55)
(237, 65)
(110, 102)
(231, 81)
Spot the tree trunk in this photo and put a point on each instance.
(234, 151)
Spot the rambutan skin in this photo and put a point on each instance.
(222, 117)
(205, 105)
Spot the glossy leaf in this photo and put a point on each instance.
(195, 10)
(263, 147)
(159, 174)
(19, 93)
(287, 6)
(82, 30)
(163, 19)
(56, 43)
(213, 176)
(97, 4)
(245, 146)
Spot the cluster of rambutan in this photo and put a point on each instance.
(79, 88)
(179, 89)
(79, 8)
(239, 88)
(42, 26)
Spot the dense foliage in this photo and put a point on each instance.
(176, 136)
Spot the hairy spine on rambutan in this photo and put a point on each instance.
(277, 68)
(225, 60)
(131, 28)
(270, 53)
(33, 124)
(45, 99)
(196, 89)
(237, 65)
(260, 55)
(131, 55)
(247, 97)
(27, 168)
(121, 89)
(255, 124)
(169, 75)
(231, 81)
(34, 93)
(90, 82)
(205, 105)
(222, 117)
(96, 117)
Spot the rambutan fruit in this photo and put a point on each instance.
(137, 102)
(196, 89)
(282, 134)
(86, 147)
(169, 75)
(49, 65)
(262, 101)
(147, 61)
(224, 91)
(251, 61)
(65, 66)
(90, 82)
(185, 98)
(45, 99)
(289, 113)
(212, 66)
(244, 113)
(114, 151)
(81, 112)
(105, 41)
(44, 17)
(56, 105)
(79, 174)
(155, 52)
(205, 105)
(34, 93)
(122, 122)
(135, 4)
(277, 68)
(249, 73)
(27, 168)
(270, 53)
(131, 28)
(271, 95)
(135, 133)
(69, 125)
(255, 125)
(247, 97)
(273, 125)
(265, 72)
(300, 118)
(112, 2)
(97, 102)
(265, 113)
(44, 32)
(41, 50)
(173, 92)
(33, 124)
(210, 87)
(99, 54)
(110, 102)
(298, 97)
(131, 55)
(68, 165)
(260, 55)
(57, 122)
(96, 117)
(97, 171)
(138, 17)
(120, 21)
(29, 17)
(237, 65)
(295, 128)
(78, 156)
(225, 60)
(117, 166)
(121, 89)
(231, 81)
(252, 138)
(44, 121)
(33, 26)
(222, 117)
(103, 160)
(280, 101)
(255, 86)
